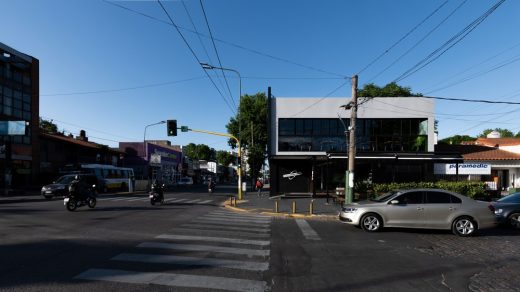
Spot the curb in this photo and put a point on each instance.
(283, 215)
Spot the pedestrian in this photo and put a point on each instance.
(259, 185)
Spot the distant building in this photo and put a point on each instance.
(308, 147)
(153, 159)
(19, 101)
(61, 154)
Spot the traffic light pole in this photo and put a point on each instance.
(239, 154)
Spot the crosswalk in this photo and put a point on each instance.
(220, 250)
(200, 201)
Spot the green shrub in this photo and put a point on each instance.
(467, 188)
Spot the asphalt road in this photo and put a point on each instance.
(192, 243)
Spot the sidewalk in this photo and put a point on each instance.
(265, 205)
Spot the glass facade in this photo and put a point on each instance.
(372, 135)
(15, 95)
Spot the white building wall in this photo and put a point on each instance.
(379, 107)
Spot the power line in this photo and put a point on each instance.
(123, 89)
(216, 51)
(226, 42)
(448, 44)
(473, 100)
(419, 42)
(90, 129)
(194, 55)
(402, 38)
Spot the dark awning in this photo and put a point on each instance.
(429, 156)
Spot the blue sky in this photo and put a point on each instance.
(112, 71)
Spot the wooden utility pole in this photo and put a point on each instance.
(349, 181)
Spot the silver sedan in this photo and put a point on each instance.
(421, 208)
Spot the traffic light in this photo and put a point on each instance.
(172, 127)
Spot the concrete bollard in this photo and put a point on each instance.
(276, 207)
(294, 207)
(311, 207)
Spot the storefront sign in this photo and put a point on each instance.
(291, 175)
(464, 168)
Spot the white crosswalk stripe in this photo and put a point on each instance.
(213, 243)
(307, 230)
(174, 280)
(167, 200)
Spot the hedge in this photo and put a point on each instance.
(467, 188)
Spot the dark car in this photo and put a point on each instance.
(507, 210)
(59, 188)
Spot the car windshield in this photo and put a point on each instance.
(385, 196)
(65, 179)
(514, 198)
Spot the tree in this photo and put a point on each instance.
(199, 151)
(457, 139)
(389, 90)
(225, 158)
(48, 126)
(504, 133)
(254, 136)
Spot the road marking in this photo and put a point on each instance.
(230, 221)
(176, 280)
(215, 239)
(307, 230)
(238, 216)
(206, 248)
(192, 261)
(227, 227)
(226, 213)
(220, 232)
(211, 217)
(192, 201)
(205, 202)
(138, 199)
(178, 200)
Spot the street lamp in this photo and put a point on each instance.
(144, 138)
(207, 66)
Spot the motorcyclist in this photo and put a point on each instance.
(80, 187)
(157, 187)
(211, 185)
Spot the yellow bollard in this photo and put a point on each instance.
(276, 207)
(294, 207)
(311, 207)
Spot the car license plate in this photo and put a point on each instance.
(48, 192)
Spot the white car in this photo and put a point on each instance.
(421, 208)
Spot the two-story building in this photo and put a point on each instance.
(308, 142)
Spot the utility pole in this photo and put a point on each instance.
(349, 176)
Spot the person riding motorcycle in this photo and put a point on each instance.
(211, 185)
(157, 187)
(80, 188)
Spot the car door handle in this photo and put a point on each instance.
(452, 208)
(420, 208)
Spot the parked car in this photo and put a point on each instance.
(59, 188)
(507, 210)
(421, 208)
(185, 181)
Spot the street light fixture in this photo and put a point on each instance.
(207, 66)
(144, 138)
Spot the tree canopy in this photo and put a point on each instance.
(200, 151)
(254, 134)
(457, 139)
(48, 126)
(389, 90)
(225, 158)
(504, 133)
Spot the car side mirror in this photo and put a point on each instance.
(394, 202)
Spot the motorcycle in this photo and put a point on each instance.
(73, 200)
(211, 187)
(157, 194)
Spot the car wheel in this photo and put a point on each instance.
(514, 220)
(92, 202)
(464, 226)
(371, 222)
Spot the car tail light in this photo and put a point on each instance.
(492, 208)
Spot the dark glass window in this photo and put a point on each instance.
(411, 198)
(286, 127)
(455, 200)
(308, 127)
(433, 197)
(299, 127)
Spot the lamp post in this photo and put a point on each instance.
(144, 137)
(206, 66)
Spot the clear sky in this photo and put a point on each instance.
(112, 71)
